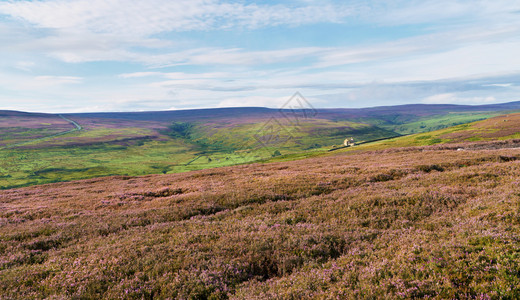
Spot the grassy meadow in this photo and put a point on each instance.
(503, 127)
(107, 147)
(42, 148)
(161, 143)
(429, 123)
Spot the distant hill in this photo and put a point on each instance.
(22, 114)
(41, 148)
(188, 115)
(403, 119)
(328, 113)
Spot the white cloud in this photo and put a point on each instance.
(144, 18)
(57, 80)
(25, 65)
(101, 30)
(505, 85)
(140, 74)
(253, 101)
(449, 12)
(229, 56)
(465, 38)
(175, 75)
(24, 84)
(450, 98)
(482, 59)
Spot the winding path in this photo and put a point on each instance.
(77, 127)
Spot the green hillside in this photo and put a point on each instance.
(41, 148)
(502, 127)
(114, 147)
(380, 220)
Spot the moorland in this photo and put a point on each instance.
(45, 148)
(428, 215)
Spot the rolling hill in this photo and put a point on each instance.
(136, 147)
(176, 141)
(427, 215)
(20, 127)
(504, 128)
(421, 222)
(401, 118)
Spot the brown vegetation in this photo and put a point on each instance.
(425, 222)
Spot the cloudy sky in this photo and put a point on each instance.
(129, 55)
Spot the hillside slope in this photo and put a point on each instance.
(137, 147)
(503, 127)
(403, 119)
(19, 127)
(150, 142)
(406, 223)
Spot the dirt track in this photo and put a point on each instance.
(77, 127)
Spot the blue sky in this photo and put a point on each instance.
(128, 55)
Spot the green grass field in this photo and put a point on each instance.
(111, 147)
(427, 124)
(504, 127)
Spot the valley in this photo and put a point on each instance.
(45, 148)
(257, 207)
(400, 223)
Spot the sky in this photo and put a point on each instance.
(128, 55)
